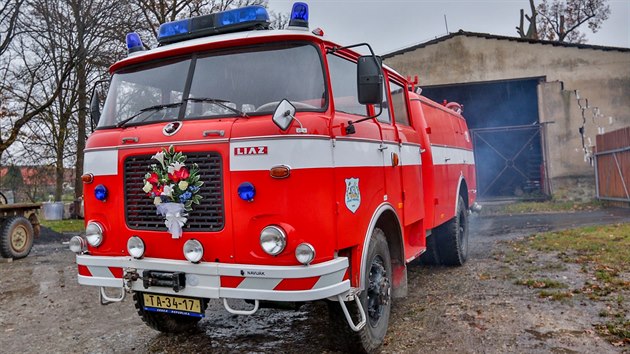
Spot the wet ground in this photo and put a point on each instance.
(476, 308)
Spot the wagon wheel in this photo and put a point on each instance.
(16, 237)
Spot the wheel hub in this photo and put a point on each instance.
(378, 293)
(18, 238)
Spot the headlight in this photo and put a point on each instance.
(304, 253)
(94, 234)
(273, 240)
(77, 244)
(193, 250)
(135, 247)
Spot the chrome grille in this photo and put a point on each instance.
(141, 214)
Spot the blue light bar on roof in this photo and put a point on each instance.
(242, 19)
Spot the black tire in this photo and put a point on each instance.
(452, 237)
(16, 237)
(166, 322)
(431, 256)
(375, 299)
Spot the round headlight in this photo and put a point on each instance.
(135, 247)
(193, 250)
(273, 240)
(94, 234)
(304, 253)
(77, 244)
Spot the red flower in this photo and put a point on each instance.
(153, 179)
(157, 190)
(177, 176)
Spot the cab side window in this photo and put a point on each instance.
(385, 116)
(343, 79)
(399, 103)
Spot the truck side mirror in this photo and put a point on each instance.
(284, 114)
(370, 80)
(95, 109)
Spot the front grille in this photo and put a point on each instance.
(141, 214)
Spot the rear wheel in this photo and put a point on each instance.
(452, 237)
(375, 300)
(166, 322)
(16, 237)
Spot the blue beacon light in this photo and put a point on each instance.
(246, 191)
(299, 16)
(134, 43)
(100, 192)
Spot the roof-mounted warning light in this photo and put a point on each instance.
(134, 43)
(242, 19)
(299, 17)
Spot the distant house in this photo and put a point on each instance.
(533, 107)
(32, 183)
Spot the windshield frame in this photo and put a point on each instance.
(194, 56)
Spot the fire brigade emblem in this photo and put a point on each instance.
(171, 128)
(353, 194)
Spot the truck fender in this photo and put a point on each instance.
(396, 248)
(460, 182)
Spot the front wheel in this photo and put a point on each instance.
(375, 300)
(166, 322)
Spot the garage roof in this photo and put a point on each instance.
(505, 38)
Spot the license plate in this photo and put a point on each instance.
(173, 304)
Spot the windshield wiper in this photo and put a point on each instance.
(218, 102)
(157, 107)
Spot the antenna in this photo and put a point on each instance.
(446, 24)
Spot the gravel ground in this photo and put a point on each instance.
(476, 308)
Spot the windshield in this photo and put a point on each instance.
(249, 80)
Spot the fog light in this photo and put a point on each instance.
(135, 247)
(77, 244)
(305, 253)
(273, 240)
(193, 250)
(94, 234)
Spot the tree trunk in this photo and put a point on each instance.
(82, 98)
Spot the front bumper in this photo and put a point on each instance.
(219, 280)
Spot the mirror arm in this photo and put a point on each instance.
(93, 91)
(350, 128)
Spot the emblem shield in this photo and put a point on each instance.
(353, 194)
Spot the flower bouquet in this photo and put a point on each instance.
(174, 188)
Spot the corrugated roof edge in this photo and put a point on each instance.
(493, 36)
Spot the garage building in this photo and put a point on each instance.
(533, 107)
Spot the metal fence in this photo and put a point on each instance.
(612, 165)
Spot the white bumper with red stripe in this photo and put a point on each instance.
(220, 280)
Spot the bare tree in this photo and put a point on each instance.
(532, 30)
(560, 20)
(9, 12)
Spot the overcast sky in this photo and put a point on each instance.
(389, 25)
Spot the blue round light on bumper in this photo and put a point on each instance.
(246, 191)
(100, 192)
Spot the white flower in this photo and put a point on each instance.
(182, 185)
(175, 166)
(168, 190)
(157, 200)
(160, 157)
(147, 187)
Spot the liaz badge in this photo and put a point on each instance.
(353, 194)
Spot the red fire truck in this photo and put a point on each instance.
(237, 162)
